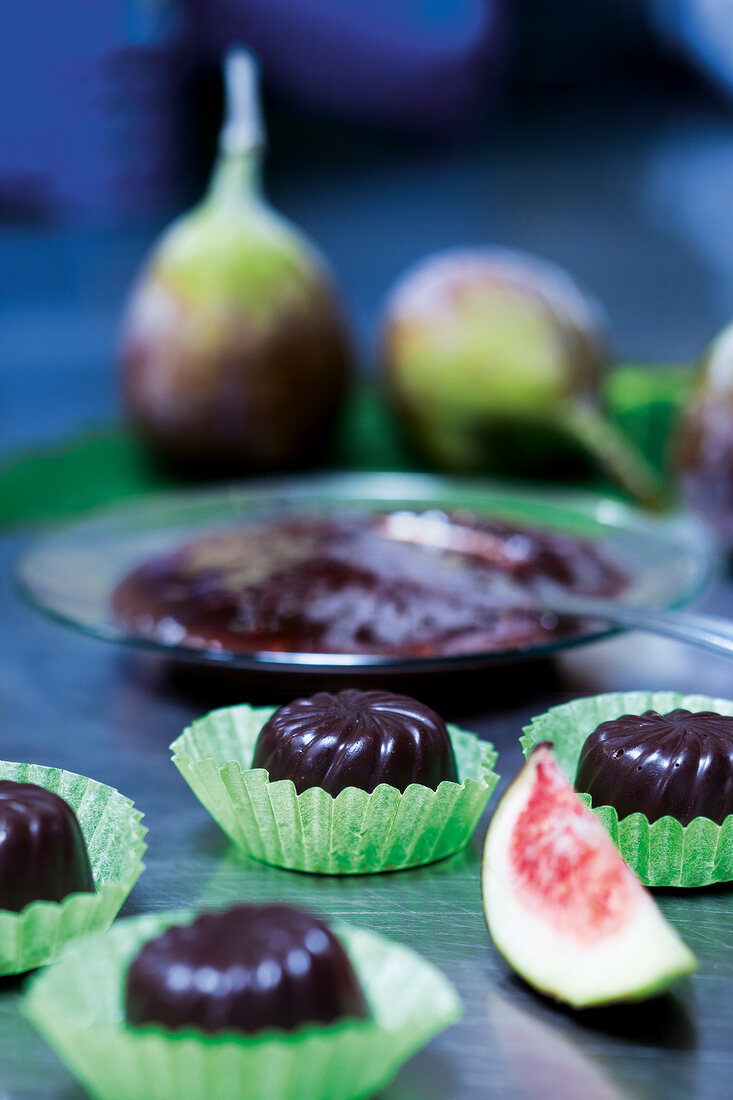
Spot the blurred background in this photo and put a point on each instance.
(598, 136)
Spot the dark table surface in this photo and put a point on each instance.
(635, 198)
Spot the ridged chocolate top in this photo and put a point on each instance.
(356, 739)
(678, 764)
(43, 856)
(245, 969)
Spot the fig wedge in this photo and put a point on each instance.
(561, 905)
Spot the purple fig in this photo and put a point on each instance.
(704, 442)
(235, 351)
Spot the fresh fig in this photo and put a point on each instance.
(562, 906)
(234, 349)
(704, 441)
(494, 360)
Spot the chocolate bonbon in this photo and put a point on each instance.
(43, 856)
(247, 969)
(356, 739)
(678, 764)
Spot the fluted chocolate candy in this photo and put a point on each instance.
(356, 739)
(678, 764)
(245, 969)
(43, 856)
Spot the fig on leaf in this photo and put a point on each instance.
(562, 906)
(494, 360)
(235, 352)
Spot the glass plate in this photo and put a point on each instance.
(71, 573)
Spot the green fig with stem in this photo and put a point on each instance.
(494, 359)
(235, 353)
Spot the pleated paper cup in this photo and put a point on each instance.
(353, 833)
(115, 841)
(78, 1007)
(665, 852)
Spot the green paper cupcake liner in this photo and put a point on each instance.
(664, 853)
(78, 1007)
(353, 833)
(114, 838)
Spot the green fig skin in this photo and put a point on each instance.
(703, 445)
(480, 339)
(235, 352)
(494, 361)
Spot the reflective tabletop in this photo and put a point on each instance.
(617, 205)
(70, 701)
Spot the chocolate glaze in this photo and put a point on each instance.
(43, 856)
(356, 739)
(401, 584)
(245, 969)
(678, 764)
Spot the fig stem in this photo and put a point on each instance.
(243, 128)
(236, 175)
(616, 455)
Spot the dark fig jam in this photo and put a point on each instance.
(397, 584)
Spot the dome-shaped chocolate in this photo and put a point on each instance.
(43, 856)
(244, 969)
(678, 764)
(356, 739)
